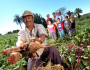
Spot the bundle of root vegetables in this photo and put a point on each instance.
(29, 47)
(15, 54)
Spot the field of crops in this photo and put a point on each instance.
(75, 51)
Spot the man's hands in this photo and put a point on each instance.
(32, 46)
(35, 54)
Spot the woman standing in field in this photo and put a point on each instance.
(67, 25)
(51, 29)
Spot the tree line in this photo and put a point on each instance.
(14, 31)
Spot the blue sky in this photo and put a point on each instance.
(8, 8)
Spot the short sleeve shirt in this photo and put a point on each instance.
(26, 35)
(67, 24)
(49, 19)
(61, 19)
(54, 19)
(71, 18)
(51, 28)
(37, 30)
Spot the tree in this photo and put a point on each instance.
(39, 20)
(77, 12)
(9, 32)
(0, 34)
(72, 13)
(18, 20)
(43, 21)
(15, 31)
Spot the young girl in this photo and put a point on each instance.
(51, 29)
(67, 25)
(60, 27)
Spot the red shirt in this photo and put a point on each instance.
(60, 25)
(49, 19)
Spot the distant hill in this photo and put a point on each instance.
(84, 16)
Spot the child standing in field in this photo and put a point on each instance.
(60, 27)
(51, 29)
(67, 25)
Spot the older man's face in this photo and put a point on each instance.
(28, 20)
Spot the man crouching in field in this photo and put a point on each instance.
(38, 31)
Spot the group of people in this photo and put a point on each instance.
(57, 24)
(37, 31)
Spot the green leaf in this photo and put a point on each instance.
(88, 67)
(88, 47)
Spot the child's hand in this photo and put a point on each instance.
(60, 29)
(67, 28)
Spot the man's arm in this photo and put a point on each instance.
(41, 32)
(42, 37)
(20, 43)
(21, 39)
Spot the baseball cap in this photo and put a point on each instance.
(26, 12)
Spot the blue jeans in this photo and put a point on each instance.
(70, 32)
(61, 33)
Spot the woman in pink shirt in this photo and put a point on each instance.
(51, 29)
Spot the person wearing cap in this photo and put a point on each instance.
(59, 15)
(71, 18)
(37, 31)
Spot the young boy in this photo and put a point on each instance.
(60, 27)
(67, 25)
(51, 29)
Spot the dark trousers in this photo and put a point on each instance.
(50, 53)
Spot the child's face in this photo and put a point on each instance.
(49, 22)
(58, 20)
(66, 19)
